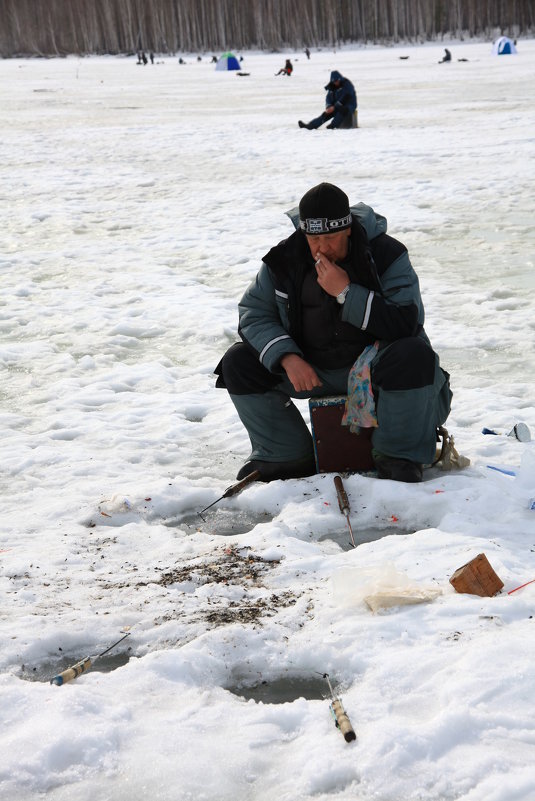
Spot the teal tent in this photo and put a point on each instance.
(228, 61)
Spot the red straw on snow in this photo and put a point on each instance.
(522, 585)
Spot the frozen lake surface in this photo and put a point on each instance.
(137, 205)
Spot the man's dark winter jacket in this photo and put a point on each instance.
(285, 311)
(342, 97)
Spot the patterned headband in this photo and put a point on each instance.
(322, 225)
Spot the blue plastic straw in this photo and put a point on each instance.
(502, 470)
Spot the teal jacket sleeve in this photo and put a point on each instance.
(396, 311)
(264, 323)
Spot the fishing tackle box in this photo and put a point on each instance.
(336, 448)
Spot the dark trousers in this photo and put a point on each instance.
(411, 391)
(336, 119)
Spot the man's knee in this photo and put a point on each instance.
(407, 363)
(240, 372)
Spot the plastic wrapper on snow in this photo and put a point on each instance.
(381, 587)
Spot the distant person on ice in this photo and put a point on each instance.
(340, 103)
(446, 56)
(336, 301)
(287, 69)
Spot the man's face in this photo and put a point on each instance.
(334, 246)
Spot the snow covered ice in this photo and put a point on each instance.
(137, 203)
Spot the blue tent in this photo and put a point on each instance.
(503, 47)
(228, 61)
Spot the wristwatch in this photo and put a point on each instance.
(341, 298)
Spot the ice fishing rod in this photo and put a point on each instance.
(233, 490)
(519, 431)
(343, 503)
(82, 666)
(339, 714)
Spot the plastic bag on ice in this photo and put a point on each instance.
(380, 587)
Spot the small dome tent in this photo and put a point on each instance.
(503, 47)
(228, 61)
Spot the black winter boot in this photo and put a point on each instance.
(397, 469)
(271, 471)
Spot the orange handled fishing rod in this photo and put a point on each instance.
(233, 490)
(343, 503)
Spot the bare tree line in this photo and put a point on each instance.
(59, 27)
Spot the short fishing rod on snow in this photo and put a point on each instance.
(233, 490)
(519, 431)
(339, 714)
(343, 503)
(82, 666)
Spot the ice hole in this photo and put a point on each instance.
(45, 671)
(225, 522)
(343, 538)
(282, 690)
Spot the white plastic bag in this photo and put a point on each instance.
(380, 587)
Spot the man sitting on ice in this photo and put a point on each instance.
(340, 104)
(337, 293)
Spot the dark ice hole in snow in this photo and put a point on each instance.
(226, 522)
(45, 671)
(343, 537)
(282, 690)
(231, 522)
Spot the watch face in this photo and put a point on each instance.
(342, 296)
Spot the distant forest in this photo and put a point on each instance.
(60, 27)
